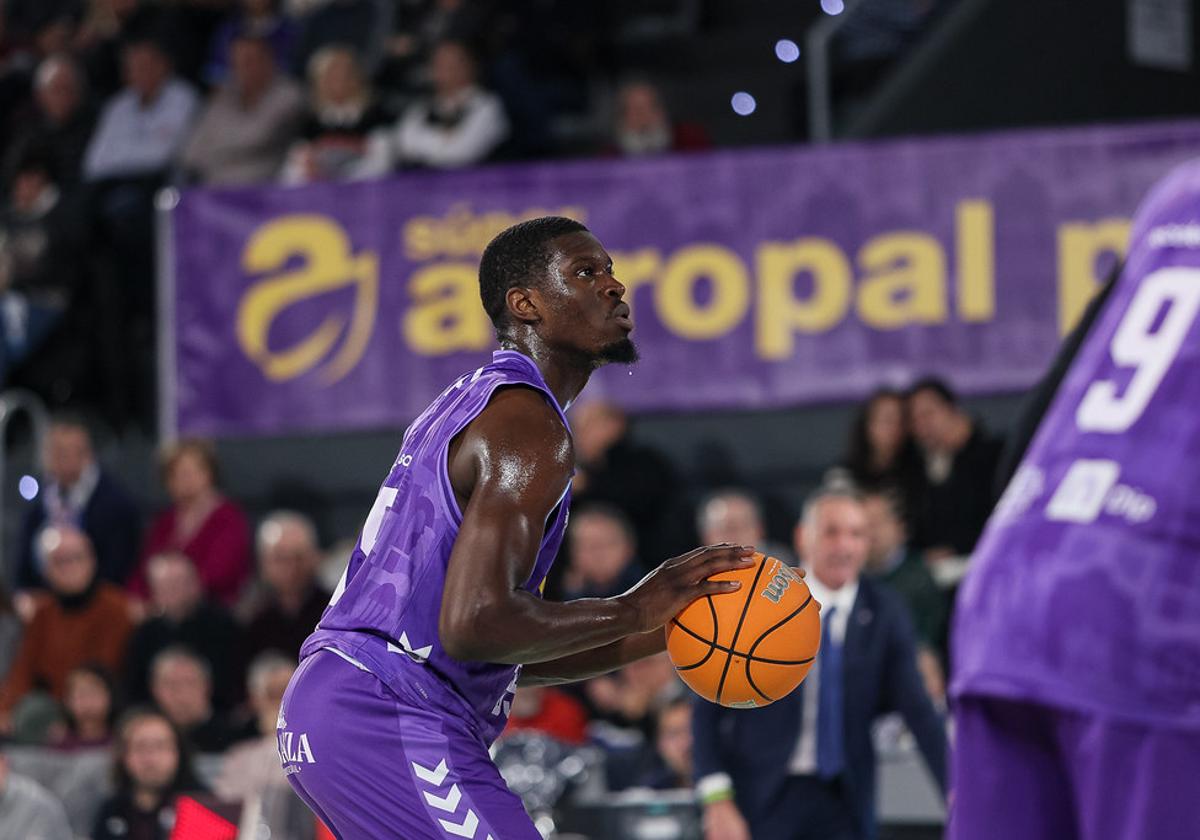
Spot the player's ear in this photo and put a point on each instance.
(522, 306)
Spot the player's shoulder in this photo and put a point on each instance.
(520, 419)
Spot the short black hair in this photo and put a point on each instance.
(517, 256)
(938, 386)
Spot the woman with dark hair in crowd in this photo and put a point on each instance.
(151, 767)
(201, 523)
(880, 454)
(89, 708)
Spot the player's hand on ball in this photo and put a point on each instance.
(660, 595)
(723, 821)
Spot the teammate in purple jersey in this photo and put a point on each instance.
(1077, 630)
(385, 728)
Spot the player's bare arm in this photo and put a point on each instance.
(509, 469)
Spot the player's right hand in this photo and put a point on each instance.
(723, 821)
(662, 594)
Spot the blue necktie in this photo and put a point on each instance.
(830, 755)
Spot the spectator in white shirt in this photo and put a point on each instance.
(142, 127)
(460, 124)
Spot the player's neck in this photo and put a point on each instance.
(565, 374)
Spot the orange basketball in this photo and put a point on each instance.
(750, 647)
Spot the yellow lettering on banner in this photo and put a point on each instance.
(329, 265)
(1080, 244)
(904, 282)
(976, 264)
(780, 313)
(446, 315)
(639, 268)
(675, 299)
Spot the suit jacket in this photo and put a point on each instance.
(755, 746)
(112, 522)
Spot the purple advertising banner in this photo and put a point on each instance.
(758, 279)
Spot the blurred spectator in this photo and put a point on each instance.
(78, 492)
(201, 523)
(602, 558)
(41, 265)
(954, 494)
(891, 562)
(28, 810)
(336, 133)
(611, 468)
(808, 759)
(643, 126)
(12, 626)
(548, 710)
(181, 685)
(289, 602)
(62, 122)
(251, 767)
(143, 127)
(179, 614)
(112, 24)
(459, 124)
(248, 125)
(360, 26)
(628, 698)
(81, 619)
(419, 26)
(152, 766)
(880, 453)
(671, 766)
(90, 706)
(736, 517)
(256, 19)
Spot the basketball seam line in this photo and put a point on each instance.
(738, 630)
(714, 646)
(768, 632)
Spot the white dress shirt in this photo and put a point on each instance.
(139, 138)
(804, 756)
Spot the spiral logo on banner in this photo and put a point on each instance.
(328, 264)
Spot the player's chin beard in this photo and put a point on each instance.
(621, 351)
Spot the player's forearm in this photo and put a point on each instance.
(593, 663)
(525, 629)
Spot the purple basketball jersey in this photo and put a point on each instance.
(384, 612)
(1085, 589)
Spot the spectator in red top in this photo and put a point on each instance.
(547, 710)
(644, 127)
(200, 523)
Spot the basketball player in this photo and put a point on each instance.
(1077, 634)
(409, 677)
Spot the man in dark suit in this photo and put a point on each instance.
(77, 492)
(804, 766)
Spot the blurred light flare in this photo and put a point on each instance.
(28, 488)
(743, 103)
(833, 7)
(787, 50)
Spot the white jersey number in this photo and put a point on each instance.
(370, 533)
(1139, 345)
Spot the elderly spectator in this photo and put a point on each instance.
(153, 767)
(643, 126)
(289, 601)
(62, 122)
(953, 497)
(612, 468)
(181, 685)
(81, 619)
(200, 522)
(736, 517)
(602, 554)
(251, 767)
(248, 125)
(804, 766)
(143, 127)
(256, 18)
(28, 810)
(77, 491)
(336, 135)
(459, 124)
(90, 709)
(180, 614)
